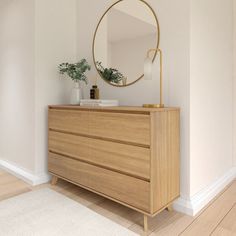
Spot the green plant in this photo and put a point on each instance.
(75, 71)
(109, 74)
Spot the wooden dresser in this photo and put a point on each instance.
(127, 154)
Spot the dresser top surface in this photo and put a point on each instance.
(119, 108)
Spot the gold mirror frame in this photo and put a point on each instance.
(94, 38)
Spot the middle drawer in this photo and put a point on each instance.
(127, 159)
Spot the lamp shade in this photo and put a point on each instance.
(148, 69)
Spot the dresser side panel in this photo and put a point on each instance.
(165, 162)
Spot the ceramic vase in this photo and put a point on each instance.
(76, 94)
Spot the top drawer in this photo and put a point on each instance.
(69, 121)
(132, 128)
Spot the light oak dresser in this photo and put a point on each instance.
(127, 154)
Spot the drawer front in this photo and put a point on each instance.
(128, 159)
(69, 145)
(131, 160)
(131, 191)
(133, 128)
(68, 120)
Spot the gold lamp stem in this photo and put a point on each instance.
(161, 105)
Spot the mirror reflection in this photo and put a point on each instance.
(125, 33)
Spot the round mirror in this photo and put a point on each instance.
(126, 31)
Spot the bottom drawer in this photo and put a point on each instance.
(132, 191)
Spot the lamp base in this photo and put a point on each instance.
(153, 105)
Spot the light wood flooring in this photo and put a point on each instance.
(218, 219)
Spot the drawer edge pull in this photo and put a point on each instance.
(100, 166)
(101, 138)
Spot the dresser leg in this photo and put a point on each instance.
(54, 180)
(145, 224)
(170, 208)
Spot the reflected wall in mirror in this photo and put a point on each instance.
(126, 31)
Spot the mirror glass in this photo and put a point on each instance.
(127, 30)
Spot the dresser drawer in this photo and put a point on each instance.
(127, 127)
(69, 145)
(128, 159)
(129, 190)
(131, 160)
(74, 121)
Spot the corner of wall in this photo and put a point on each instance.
(24, 174)
(200, 200)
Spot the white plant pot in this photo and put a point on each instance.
(76, 94)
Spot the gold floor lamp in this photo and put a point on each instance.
(148, 75)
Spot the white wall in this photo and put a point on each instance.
(210, 92)
(175, 32)
(135, 50)
(17, 83)
(137, 11)
(101, 45)
(35, 38)
(55, 42)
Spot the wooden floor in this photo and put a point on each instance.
(218, 219)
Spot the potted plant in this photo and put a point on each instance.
(76, 72)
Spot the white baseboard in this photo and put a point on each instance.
(25, 175)
(201, 199)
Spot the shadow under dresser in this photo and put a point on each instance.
(127, 154)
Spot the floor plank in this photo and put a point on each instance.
(173, 226)
(228, 224)
(2, 172)
(11, 186)
(153, 223)
(206, 223)
(117, 213)
(222, 232)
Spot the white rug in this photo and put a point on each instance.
(47, 213)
